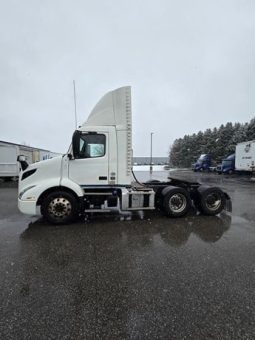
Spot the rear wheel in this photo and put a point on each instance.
(211, 201)
(59, 207)
(176, 202)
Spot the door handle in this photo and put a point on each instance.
(102, 178)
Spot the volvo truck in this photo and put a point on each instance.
(203, 163)
(95, 175)
(227, 166)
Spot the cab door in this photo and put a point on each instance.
(91, 164)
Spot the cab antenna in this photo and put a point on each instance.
(74, 98)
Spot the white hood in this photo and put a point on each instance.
(48, 169)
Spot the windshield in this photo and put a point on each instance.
(201, 157)
(226, 162)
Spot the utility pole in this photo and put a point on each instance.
(151, 168)
(74, 98)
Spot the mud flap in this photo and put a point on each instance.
(228, 205)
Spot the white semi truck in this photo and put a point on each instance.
(96, 174)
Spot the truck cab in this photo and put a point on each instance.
(227, 166)
(96, 174)
(203, 163)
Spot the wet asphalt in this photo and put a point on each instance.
(150, 278)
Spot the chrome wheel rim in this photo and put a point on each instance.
(60, 208)
(177, 202)
(213, 201)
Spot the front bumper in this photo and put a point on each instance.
(28, 207)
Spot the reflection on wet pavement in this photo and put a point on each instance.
(150, 277)
(174, 232)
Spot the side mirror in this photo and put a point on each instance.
(21, 158)
(76, 143)
(23, 162)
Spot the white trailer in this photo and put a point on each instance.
(96, 174)
(245, 156)
(9, 167)
(44, 155)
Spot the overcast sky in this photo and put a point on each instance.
(191, 65)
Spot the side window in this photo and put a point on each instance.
(92, 146)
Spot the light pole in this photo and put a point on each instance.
(151, 155)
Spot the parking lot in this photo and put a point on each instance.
(150, 277)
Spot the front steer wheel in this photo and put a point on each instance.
(176, 202)
(59, 207)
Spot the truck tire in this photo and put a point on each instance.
(59, 207)
(176, 202)
(211, 200)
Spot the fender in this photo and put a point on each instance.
(166, 190)
(37, 190)
(66, 182)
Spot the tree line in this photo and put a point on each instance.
(219, 142)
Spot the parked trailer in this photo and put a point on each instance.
(44, 155)
(96, 175)
(243, 160)
(245, 156)
(9, 167)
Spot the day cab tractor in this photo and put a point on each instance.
(95, 175)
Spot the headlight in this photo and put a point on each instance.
(24, 190)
